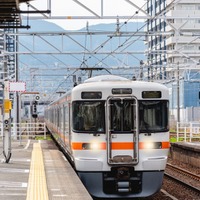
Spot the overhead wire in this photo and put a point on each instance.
(101, 46)
(111, 37)
(62, 83)
(153, 18)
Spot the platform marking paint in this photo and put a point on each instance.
(27, 145)
(37, 186)
(14, 170)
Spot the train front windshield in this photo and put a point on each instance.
(88, 116)
(122, 115)
(153, 116)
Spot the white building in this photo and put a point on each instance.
(156, 40)
(173, 53)
(175, 36)
(184, 45)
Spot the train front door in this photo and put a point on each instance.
(122, 130)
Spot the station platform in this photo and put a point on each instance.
(186, 152)
(37, 170)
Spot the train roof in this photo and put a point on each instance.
(108, 82)
(102, 78)
(117, 81)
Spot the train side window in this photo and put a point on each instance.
(66, 119)
(88, 116)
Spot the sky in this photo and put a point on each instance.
(66, 9)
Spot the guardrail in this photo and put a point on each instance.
(188, 131)
(26, 130)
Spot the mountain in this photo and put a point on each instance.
(80, 45)
(84, 43)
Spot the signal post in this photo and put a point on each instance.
(7, 106)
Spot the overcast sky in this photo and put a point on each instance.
(69, 8)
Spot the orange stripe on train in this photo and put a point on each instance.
(121, 145)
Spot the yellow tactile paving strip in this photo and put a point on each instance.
(37, 186)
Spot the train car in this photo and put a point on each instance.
(116, 134)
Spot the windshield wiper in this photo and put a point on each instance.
(146, 125)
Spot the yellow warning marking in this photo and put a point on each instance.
(37, 186)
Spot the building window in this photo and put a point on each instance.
(188, 7)
(188, 47)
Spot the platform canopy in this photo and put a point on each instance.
(10, 13)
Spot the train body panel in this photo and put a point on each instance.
(149, 158)
(116, 133)
(141, 185)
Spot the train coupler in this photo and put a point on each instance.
(123, 187)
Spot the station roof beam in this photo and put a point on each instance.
(10, 14)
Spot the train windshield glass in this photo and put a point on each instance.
(153, 116)
(88, 116)
(122, 115)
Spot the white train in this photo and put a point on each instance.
(116, 133)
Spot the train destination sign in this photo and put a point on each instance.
(151, 94)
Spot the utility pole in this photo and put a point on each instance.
(141, 70)
(6, 117)
(178, 93)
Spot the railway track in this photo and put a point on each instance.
(187, 179)
(183, 171)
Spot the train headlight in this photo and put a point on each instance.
(152, 145)
(149, 145)
(91, 146)
(95, 146)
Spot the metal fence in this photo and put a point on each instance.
(26, 130)
(188, 131)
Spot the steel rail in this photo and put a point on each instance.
(185, 173)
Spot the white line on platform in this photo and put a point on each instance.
(13, 170)
(27, 145)
(169, 195)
